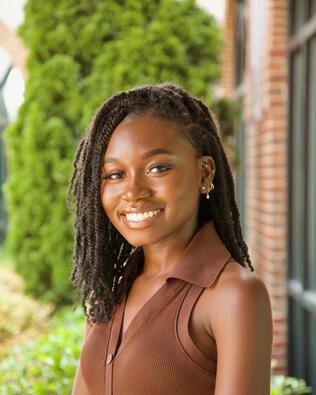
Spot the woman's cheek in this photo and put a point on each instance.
(107, 197)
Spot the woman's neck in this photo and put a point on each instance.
(161, 257)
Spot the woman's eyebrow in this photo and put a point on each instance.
(157, 151)
(146, 155)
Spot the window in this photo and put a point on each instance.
(240, 44)
(240, 58)
(302, 191)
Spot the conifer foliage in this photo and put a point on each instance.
(80, 53)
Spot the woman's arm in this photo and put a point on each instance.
(242, 325)
(79, 386)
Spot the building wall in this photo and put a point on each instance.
(264, 96)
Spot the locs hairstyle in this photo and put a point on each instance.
(100, 252)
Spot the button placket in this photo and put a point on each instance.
(112, 347)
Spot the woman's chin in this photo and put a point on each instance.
(140, 240)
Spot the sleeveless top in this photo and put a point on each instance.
(157, 355)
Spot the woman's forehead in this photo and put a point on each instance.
(144, 131)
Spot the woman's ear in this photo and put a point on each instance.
(207, 172)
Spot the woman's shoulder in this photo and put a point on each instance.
(236, 287)
(238, 316)
(237, 278)
(237, 305)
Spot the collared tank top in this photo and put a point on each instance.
(156, 355)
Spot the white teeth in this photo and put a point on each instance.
(141, 216)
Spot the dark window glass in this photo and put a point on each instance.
(302, 192)
(240, 42)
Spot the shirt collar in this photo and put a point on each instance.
(203, 259)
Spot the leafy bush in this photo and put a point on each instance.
(46, 366)
(281, 385)
(21, 317)
(80, 53)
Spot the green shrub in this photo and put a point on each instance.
(80, 53)
(46, 366)
(281, 385)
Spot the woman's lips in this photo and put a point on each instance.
(141, 220)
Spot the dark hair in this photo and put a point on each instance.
(100, 252)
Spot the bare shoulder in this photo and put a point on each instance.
(237, 291)
(238, 281)
(239, 317)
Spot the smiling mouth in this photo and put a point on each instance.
(141, 219)
(138, 217)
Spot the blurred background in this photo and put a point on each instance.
(254, 64)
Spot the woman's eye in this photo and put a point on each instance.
(115, 175)
(159, 168)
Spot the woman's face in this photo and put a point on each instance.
(151, 181)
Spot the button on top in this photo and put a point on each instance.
(109, 358)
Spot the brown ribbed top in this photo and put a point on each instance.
(157, 355)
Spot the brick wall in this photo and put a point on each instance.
(266, 161)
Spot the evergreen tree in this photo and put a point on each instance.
(80, 53)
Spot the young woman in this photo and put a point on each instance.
(160, 258)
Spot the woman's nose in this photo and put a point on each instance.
(136, 189)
